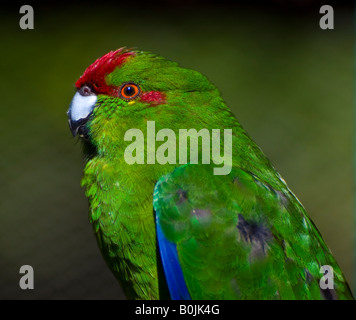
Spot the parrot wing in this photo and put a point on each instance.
(235, 237)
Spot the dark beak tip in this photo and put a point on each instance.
(78, 126)
(73, 127)
(74, 132)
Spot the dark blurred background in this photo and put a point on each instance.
(289, 83)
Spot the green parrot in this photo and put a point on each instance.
(184, 205)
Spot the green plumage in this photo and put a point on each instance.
(238, 236)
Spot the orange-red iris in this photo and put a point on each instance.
(129, 91)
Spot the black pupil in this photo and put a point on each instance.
(129, 91)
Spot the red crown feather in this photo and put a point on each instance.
(95, 74)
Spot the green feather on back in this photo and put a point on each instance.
(238, 238)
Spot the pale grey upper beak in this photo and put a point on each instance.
(79, 111)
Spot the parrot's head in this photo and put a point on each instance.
(126, 88)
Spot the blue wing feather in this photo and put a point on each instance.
(172, 269)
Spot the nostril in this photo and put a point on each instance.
(85, 91)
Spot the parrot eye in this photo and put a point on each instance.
(129, 91)
(86, 91)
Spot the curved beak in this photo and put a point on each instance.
(79, 112)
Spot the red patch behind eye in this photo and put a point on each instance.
(153, 97)
(95, 74)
